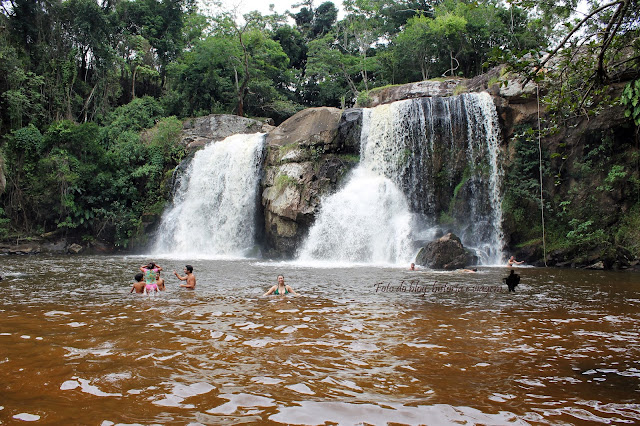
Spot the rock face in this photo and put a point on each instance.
(515, 101)
(307, 156)
(419, 89)
(445, 253)
(199, 131)
(28, 248)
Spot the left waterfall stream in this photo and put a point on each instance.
(214, 210)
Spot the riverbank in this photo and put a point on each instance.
(40, 245)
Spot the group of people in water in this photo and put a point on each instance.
(149, 281)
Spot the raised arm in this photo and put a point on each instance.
(179, 277)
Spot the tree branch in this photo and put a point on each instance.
(616, 20)
(571, 33)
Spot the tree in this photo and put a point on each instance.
(416, 49)
(609, 33)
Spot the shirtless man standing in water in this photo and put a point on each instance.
(189, 278)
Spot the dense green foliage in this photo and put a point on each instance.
(92, 91)
(590, 180)
(91, 181)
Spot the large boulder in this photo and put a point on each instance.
(307, 155)
(445, 253)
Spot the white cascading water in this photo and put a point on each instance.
(214, 209)
(367, 221)
(489, 242)
(409, 152)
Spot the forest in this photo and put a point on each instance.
(93, 92)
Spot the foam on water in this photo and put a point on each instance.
(241, 400)
(315, 412)
(85, 386)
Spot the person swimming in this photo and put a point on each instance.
(281, 289)
(160, 282)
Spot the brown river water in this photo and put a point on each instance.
(425, 348)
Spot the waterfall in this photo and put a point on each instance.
(427, 165)
(368, 221)
(214, 209)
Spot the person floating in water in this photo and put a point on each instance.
(151, 272)
(189, 278)
(139, 285)
(412, 267)
(281, 288)
(512, 281)
(512, 261)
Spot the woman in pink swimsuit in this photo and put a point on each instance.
(150, 272)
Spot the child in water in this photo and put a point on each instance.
(138, 286)
(160, 282)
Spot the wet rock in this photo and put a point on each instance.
(307, 156)
(598, 266)
(446, 252)
(59, 246)
(419, 89)
(75, 248)
(197, 132)
(27, 248)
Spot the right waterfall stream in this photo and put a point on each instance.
(427, 166)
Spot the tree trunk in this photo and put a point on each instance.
(242, 88)
(133, 83)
